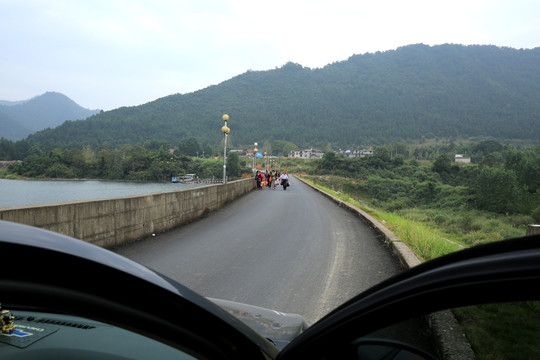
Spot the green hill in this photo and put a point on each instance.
(412, 93)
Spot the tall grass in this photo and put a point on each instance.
(427, 243)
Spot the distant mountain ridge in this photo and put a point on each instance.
(19, 119)
(413, 93)
(11, 103)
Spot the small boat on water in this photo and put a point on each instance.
(185, 179)
(193, 179)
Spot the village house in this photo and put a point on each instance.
(240, 152)
(306, 154)
(358, 153)
(459, 158)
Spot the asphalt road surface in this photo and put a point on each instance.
(294, 251)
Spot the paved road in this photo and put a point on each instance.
(293, 251)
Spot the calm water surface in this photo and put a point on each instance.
(37, 192)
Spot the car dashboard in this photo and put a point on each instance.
(42, 335)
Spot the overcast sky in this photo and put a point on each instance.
(112, 53)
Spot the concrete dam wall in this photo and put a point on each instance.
(112, 222)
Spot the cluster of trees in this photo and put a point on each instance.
(10, 150)
(191, 146)
(506, 181)
(143, 162)
(501, 179)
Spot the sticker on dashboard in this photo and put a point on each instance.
(25, 335)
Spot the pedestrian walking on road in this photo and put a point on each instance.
(270, 179)
(284, 180)
(258, 179)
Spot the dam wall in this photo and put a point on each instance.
(112, 222)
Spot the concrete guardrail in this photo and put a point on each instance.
(112, 222)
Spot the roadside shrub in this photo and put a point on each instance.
(468, 223)
(455, 197)
(536, 215)
(480, 237)
(426, 192)
(398, 204)
(384, 189)
(521, 220)
(504, 184)
(440, 220)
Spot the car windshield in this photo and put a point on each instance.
(270, 164)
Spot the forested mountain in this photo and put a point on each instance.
(412, 93)
(21, 118)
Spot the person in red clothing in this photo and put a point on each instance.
(258, 179)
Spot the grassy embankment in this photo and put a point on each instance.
(495, 331)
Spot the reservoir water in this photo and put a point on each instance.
(38, 192)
